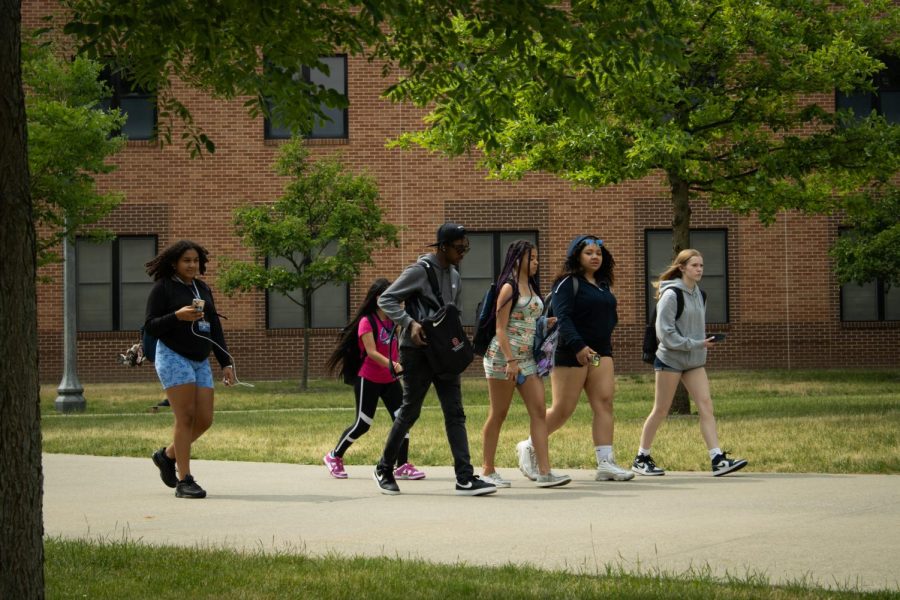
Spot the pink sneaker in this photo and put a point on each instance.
(408, 471)
(335, 466)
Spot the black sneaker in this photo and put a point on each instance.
(722, 465)
(188, 488)
(385, 480)
(644, 465)
(475, 487)
(166, 468)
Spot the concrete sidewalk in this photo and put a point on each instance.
(830, 530)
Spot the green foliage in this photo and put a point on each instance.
(713, 95)
(326, 225)
(872, 250)
(69, 142)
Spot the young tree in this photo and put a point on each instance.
(326, 227)
(727, 119)
(69, 141)
(21, 522)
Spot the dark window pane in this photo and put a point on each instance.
(335, 126)
(141, 117)
(890, 106)
(329, 303)
(134, 283)
(860, 103)
(859, 302)
(892, 304)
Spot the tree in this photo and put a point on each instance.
(326, 227)
(724, 119)
(69, 141)
(21, 523)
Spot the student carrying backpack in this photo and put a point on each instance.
(651, 343)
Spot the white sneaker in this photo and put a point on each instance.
(495, 479)
(527, 459)
(609, 470)
(551, 479)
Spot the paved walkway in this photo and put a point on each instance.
(825, 529)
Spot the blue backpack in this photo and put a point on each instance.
(148, 345)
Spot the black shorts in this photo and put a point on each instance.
(565, 357)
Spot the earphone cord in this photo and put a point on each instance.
(233, 367)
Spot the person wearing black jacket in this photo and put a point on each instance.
(181, 314)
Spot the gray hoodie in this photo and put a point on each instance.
(681, 342)
(410, 298)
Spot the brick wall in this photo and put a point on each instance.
(784, 300)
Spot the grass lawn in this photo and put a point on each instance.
(782, 421)
(114, 570)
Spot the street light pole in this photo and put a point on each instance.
(70, 398)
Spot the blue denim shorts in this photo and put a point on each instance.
(659, 365)
(174, 369)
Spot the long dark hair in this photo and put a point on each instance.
(518, 252)
(163, 266)
(572, 267)
(348, 339)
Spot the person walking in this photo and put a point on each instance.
(586, 313)
(681, 356)
(369, 335)
(182, 315)
(408, 301)
(509, 363)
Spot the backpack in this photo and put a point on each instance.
(353, 356)
(485, 321)
(449, 351)
(547, 339)
(651, 343)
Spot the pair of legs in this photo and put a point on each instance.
(501, 393)
(193, 410)
(696, 382)
(417, 377)
(367, 394)
(599, 383)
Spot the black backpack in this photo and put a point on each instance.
(449, 350)
(353, 356)
(485, 321)
(651, 343)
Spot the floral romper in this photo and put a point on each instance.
(520, 331)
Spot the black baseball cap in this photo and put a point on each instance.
(449, 232)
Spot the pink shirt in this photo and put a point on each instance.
(370, 369)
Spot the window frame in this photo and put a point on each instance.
(116, 281)
(648, 277)
(880, 296)
(883, 83)
(305, 73)
(121, 88)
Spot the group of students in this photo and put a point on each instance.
(396, 369)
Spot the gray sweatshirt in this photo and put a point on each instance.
(410, 298)
(681, 342)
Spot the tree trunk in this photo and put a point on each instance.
(681, 239)
(21, 522)
(307, 326)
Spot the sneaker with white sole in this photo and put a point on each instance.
(722, 465)
(335, 466)
(408, 471)
(644, 465)
(527, 459)
(608, 470)
(496, 479)
(551, 479)
(475, 487)
(386, 482)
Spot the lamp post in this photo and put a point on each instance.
(70, 398)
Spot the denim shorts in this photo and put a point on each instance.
(174, 369)
(659, 365)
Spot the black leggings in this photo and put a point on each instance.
(367, 394)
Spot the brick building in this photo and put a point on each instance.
(771, 289)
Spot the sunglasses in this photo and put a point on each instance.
(460, 248)
(590, 240)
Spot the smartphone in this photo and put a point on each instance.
(718, 337)
(199, 304)
(520, 379)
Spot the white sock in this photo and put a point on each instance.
(714, 452)
(603, 453)
(643, 451)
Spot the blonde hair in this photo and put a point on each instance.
(673, 271)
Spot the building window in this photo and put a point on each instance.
(335, 126)
(482, 265)
(885, 100)
(138, 105)
(113, 284)
(872, 301)
(329, 303)
(713, 245)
